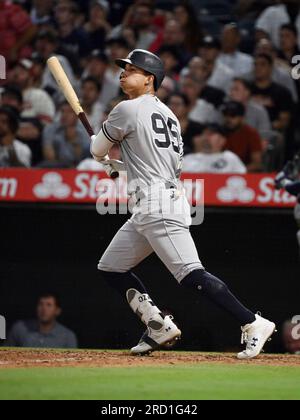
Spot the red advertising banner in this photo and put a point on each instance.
(72, 186)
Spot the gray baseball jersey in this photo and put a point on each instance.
(152, 150)
(150, 138)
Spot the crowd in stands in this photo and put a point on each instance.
(44, 330)
(231, 77)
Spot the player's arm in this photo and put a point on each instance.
(100, 147)
(120, 123)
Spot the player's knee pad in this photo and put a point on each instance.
(203, 281)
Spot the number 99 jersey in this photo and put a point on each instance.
(149, 135)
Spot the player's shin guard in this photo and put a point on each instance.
(219, 293)
(144, 308)
(161, 329)
(130, 287)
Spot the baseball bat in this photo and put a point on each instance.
(67, 89)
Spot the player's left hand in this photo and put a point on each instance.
(117, 165)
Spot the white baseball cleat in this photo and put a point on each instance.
(154, 338)
(256, 335)
(160, 330)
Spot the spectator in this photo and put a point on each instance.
(288, 43)
(219, 75)
(72, 39)
(47, 45)
(167, 87)
(281, 72)
(17, 31)
(180, 105)
(199, 70)
(37, 103)
(210, 157)
(256, 115)
(171, 60)
(275, 98)
(118, 10)
(90, 91)
(98, 27)
(38, 69)
(129, 34)
(173, 36)
(13, 153)
(186, 16)
(242, 139)
(291, 344)
(272, 19)
(117, 48)
(140, 18)
(45, 331)
(200, 110)
(65, 143)
(142, 23)
(247, 10)
(230, 56)
(42, 13)
(97, 65)
(30, 129)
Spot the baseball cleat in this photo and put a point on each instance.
(158, 336)
(161, 330)
(255, 336)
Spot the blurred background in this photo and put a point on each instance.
(232, 80)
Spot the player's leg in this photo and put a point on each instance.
(175, 247)
(255, 330)
(127, 249)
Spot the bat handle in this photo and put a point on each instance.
(85, 122)
(83, 118)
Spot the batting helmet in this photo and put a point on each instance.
(147, 61)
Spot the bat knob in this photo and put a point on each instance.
(114, 175)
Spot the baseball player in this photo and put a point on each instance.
(149, 135)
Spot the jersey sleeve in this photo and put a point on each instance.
(121, 122)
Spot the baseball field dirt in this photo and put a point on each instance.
(101, 375)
